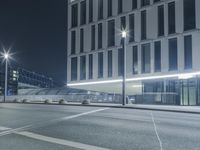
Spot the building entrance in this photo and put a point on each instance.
(188, 92)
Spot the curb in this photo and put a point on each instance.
(119, 107)
(137, 108)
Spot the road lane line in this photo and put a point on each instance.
(7, 132)
(27, 127)
(156, 131)
(60, 141)
(4, 128)
(83, 114)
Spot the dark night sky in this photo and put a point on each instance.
(36, 30)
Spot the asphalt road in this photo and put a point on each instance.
(54, 127)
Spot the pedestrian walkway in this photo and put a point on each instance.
(183, 109)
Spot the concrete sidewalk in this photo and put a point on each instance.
(169, 108)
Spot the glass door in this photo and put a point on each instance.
(188, 92)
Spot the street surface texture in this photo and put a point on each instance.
(54, 127)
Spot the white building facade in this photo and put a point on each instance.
(162, 48)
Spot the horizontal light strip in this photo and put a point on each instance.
(96, 82)
(179, 76)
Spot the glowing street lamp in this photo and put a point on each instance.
(124, 35)
(6, 57)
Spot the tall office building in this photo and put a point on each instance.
(162, 48)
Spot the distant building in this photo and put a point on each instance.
(19, 78)
(32, 79)
(163, 48)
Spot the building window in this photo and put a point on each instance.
(81, 40)
(93, 37)
(74, 69)
(109, 8)
(173, 63)
(156, 1)
(111, 33)
(131, 27)
(120, 6)
(143, 25)
(83, 13)
(189, 15)
(188, 52)
(161, 20)
(134, 4)
(109, 63)
(123, 23)
(171, 18)
(82, 67)
(100, 9)
(90, 69)
(100, 35)
(74, 19)
(145, 2)
(146, 55)
(73, 42)
(157, 56)
(90, 10)
(135, 60)
(100, 65)
(120, 62)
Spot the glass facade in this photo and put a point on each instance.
(171, 18)
(188, 52)
(173, 54)
(110, 8)
(110, 68)
(74, 18)
(146, 58)
(100, 35)
(90, 69)
(90, 10)
(81, 40)
(100, 9)
(93, 37)
(134, 4)
(143, 25)
(100, 65)
(161, 23)
(131, 27)
(135, 59)
(73, 42)
(189, 14)
(74, 74)
(120, 62)
(82, 67)
(153, 47)
(120, 6)
(157, 56)
(83, 13)
(145, 2)
(111, 33)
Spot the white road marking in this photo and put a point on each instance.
(83, 114)
(48, 122)
(4, 128)
(21, 131)
(61, 141)
(156, 131)
(10, 131)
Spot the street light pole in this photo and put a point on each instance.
(6, 56)
(124, 70)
